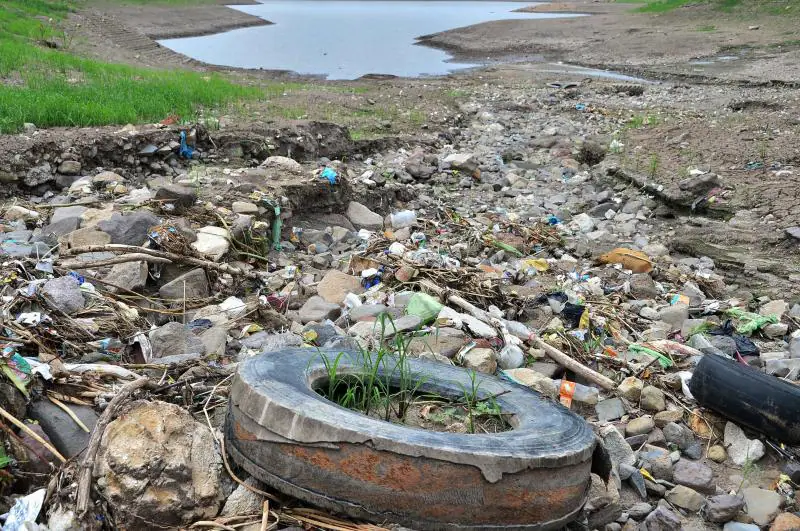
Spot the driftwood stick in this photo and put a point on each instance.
(133, 257)
(558, 356)
(576, 367)
(85, 478)
(199, 262)
(35, 436)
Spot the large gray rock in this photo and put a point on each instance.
(618, 449)
(181, 196)
(364, 218)
(39, 175)
(661, 519)
(335, 285)
(694, 475)
(631, 388)
(685, 498)
(194, 285)
(129, 229)
(640, 426)
(740, 448)
(611, 409)
(52, 232)
(64, 294)
(159, 467)
(244, 501)
(69, 167)
(678, 435)
(653, 399)
(67, 212)
(722, 508)
(480, 359)
(318, 309)
(175, 339)
(762, 505)
(130, 275)
(643, 286)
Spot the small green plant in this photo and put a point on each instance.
(749, 469)
(652, 166)
(471, 399)
(707, 27)
(763, 152)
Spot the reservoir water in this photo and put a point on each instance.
(346, 39)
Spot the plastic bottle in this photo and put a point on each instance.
(402, 219)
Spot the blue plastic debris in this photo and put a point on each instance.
(186, 152)
(330, 174)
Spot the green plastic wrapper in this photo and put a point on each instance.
(424, 306)
(750, 322)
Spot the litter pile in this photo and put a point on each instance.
(128, 303)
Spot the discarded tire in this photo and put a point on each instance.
(535, 476)
(748, 397)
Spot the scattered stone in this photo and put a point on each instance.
(157, 464)
(640, 426)
(739, 526)
(68, 438)
(335, 285)
(652, 399)
(481, 359)
(661, 519)
(694, 475)
(318, 309)
(639, 510)
(678, 435)
(129, 229)
(191, 285)
(212, 242)
(631, 388)
(130, 276)
(662, 418)
(685, 498)
(364, 218)
(722, 508)
(69, 167)
(86, 237)
(785, 522)
(618, 449)
(244, 207)
(643, 286)
(182, 197)
(63, 294)
(762, 505)
(175, 339)
(717, 453)
(244, 501)
(740, 448)
(611, 409)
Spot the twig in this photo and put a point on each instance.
(216, 525)
(133, 257)
(265, 516)
(35, 436)
(210, 396)
(576, 367)
(85, 477)
(206, 264)
(252, 489)
(69, 412)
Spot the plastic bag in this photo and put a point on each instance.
(424, 306)
(744, 346)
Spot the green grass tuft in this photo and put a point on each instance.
(52, 87)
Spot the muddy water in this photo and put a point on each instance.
(346, 39)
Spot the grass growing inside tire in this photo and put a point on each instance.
(382, 385)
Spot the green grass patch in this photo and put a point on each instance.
(53, 87)
(706, 28)
(752, 7)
